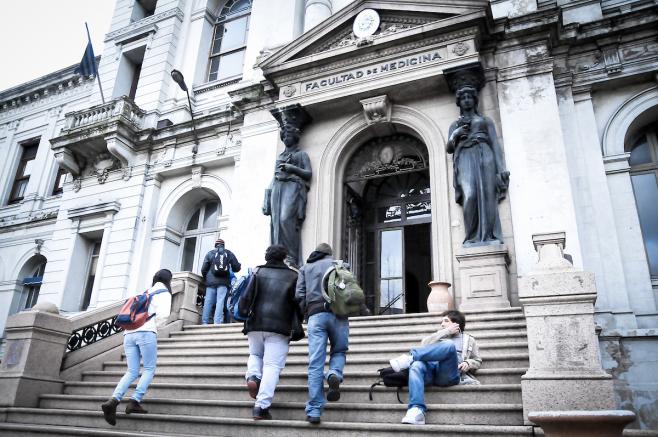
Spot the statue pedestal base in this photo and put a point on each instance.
(483, 273)
(564, 371)
(600, 423)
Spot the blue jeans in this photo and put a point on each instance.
(144, 345)
(323, 326)
(435, 364)
(214, 297)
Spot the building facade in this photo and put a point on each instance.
(95, 196)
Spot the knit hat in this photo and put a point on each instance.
(219, 242)
(324, 248)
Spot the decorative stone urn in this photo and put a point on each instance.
(440, 298)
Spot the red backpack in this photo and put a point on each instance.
(135, 312)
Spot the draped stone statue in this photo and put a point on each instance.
(285, 199)
(480, 176)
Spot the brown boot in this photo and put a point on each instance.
(135, 407)
(110, 411)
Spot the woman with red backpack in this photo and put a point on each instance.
(141, 344)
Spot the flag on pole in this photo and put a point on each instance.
(87, 66)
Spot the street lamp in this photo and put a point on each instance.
(177, 76)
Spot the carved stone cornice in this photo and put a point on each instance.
(27, 218)
(96, 209)
(12, 104)
(314, 69)
(625, 60)
(644, 17)
(143, 26)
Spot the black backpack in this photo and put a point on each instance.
(220, 265)
(390, 378)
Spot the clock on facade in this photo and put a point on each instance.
(366, 23)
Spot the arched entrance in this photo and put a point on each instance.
(388, 222)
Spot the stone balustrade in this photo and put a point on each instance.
(44, 348)
(121, 107)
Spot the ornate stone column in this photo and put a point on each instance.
(316, 11)
(565, 370)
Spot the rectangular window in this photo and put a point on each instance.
(143, 9)
(391, 297)
(24, 170)
(228, 49)
(58, 188)
(91, 274)
(127, 77)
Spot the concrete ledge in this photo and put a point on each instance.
(601, 423)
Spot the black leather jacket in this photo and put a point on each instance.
(275, 300)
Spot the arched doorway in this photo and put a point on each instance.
(388, 223)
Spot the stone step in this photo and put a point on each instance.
(409, 340)
(378, 350)
(402, 319)
(461, 394)
(167, 424)
(364, 362)
(379, 354)
(32, 430)
(451, 414)
(234, 330)
(485, 376)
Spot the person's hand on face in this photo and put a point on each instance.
(453, 328)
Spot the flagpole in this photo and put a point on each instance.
(96, 67)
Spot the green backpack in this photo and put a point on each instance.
(342, 291)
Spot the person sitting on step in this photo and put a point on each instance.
(447, 357)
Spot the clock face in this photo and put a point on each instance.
(366, 23)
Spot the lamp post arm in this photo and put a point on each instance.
(195, 149)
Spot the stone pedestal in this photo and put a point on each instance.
(483, 273)
(603, 423)
(565, 370)
(185, 287)
(36, 342)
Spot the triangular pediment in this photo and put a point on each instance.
(398, 19)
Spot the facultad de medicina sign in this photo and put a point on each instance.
(372, 71)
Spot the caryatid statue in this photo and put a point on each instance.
(480, 176)
(285, 199)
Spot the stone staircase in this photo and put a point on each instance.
(199, 388)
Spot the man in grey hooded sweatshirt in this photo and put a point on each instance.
(323, 325)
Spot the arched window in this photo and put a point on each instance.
(644, 177)
(199, 235)
(31, 281)
(229, 41)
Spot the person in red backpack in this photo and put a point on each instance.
(141, 344)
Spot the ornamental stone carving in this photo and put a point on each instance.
(377, 109)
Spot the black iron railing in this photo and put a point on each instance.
(391, 303)
(90, 334)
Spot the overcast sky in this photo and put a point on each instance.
(38, 37)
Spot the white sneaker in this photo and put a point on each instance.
(414, 416)
(402, 362)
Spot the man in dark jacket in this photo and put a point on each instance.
(268, 328)
(217, 280)
(323, 325)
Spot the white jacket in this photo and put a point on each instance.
(160, 306)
